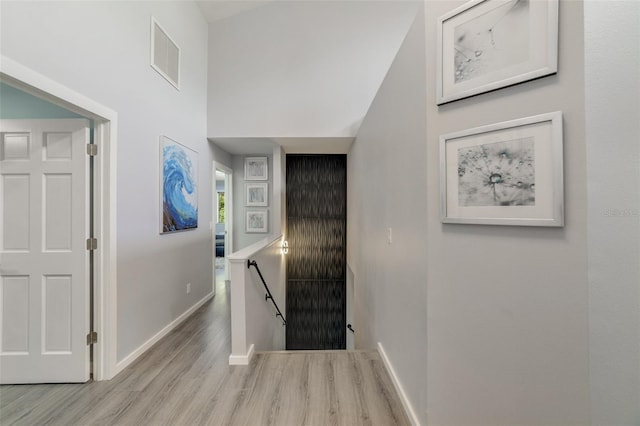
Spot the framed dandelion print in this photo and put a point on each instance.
(488, 44)
(507, 173)
(178, 186)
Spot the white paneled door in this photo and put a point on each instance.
(44, 266)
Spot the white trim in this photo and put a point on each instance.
(153, 340)
(105, 197)
(242, 359)
(247, 252)
(408, 408)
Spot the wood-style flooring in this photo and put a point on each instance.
(185, 379)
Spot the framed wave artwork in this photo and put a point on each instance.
(178, 186)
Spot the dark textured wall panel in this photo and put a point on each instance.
(316, 263)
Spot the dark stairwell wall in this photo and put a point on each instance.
(316, 263)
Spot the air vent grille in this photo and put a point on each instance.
(165, 54)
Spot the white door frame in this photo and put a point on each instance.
(228, 205)
(105, 136)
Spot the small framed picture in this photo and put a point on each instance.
(487, 44)
(257, 221)
(507, 173)
(256, 168)
(257, 194)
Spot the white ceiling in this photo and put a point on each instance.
(307, 70)
(250, 146)
(215, 10)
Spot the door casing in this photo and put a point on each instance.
(105, 196)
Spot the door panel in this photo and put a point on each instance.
(44, 271)
(16, 192)
(14, 293)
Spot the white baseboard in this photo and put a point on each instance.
(242, 359)
(146, 345)
(408, 408)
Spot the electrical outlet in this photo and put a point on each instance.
(389, 239)
(188, 288)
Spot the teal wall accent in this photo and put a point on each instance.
(14, 103)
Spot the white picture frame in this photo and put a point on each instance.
(485, 45)
(257, 221)
(256, 194)
(256, 168)
(508, 173)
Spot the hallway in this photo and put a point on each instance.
(185, 379)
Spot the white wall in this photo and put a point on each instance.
(612, 59)
(101, 50)
(386, 186)
(254, 325)
(264, 329)
(301, 69)
(508, 307)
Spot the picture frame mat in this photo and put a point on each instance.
(546, 129)
(543, 50)
(263, 162)
(265, 221)
(264, 186)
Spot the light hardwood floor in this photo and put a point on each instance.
(185, 379)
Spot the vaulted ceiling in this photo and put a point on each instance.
(301, 74)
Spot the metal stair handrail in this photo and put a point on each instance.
(267, 296)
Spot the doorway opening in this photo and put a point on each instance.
(103, 217)
(222, 226)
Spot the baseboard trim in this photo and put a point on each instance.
(242, 359)
(408, 408)
(153, 340)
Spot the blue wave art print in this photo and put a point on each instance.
(179, 187)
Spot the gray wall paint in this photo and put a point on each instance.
(222, 156)
(386, 189)
(483, 324)
(241, 238)
(150, 266)
(612, 59)
(508, 306)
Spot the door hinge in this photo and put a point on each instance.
(92, 338)
(92, 150)
(92, 244)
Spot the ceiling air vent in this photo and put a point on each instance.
(165, 54)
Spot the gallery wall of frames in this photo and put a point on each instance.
(510, 172)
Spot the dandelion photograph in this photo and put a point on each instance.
(485, 45)
(497, 174)
(494, 40)
(507, 173)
